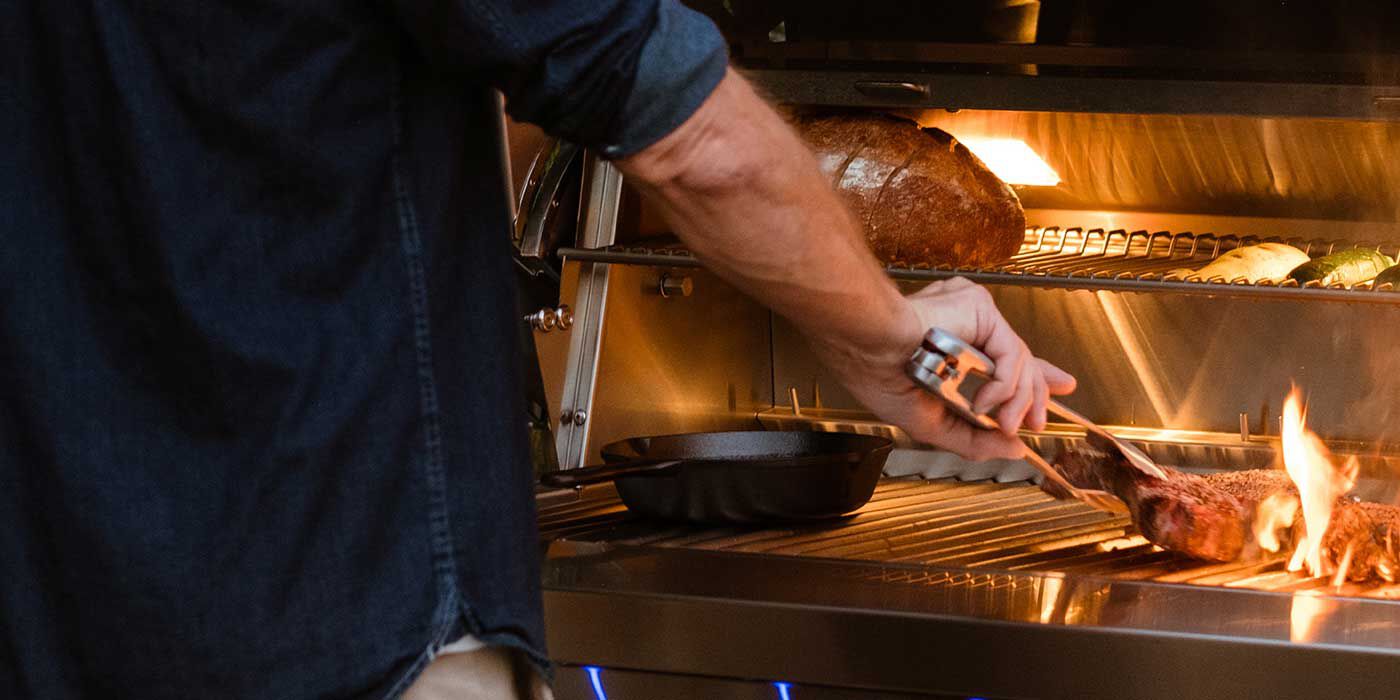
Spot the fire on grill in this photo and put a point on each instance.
(1249, 514)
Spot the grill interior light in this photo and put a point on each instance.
(1013, 161)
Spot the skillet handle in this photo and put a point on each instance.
(569, 478)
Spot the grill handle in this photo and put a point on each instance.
(892, 90)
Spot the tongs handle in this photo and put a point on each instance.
(940, 364)
(944, 360)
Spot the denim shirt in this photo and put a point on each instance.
(261, 430)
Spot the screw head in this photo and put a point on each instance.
(675, 285)
(544, 320)
(564, 317)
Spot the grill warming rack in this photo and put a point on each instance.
(1093, 259)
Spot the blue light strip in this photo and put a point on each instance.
(784, 690)
(593, 675)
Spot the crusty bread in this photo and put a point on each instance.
(921, 195)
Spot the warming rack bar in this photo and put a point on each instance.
(1092, 259)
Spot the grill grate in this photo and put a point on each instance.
(1147, 256)
(982, 527)
(1078, 258)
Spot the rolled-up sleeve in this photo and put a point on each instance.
(614, 75)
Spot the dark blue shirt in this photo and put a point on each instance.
(261, 433)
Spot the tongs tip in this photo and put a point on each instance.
(1130, 453)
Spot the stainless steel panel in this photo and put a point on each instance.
(1162, 361)
(944, 587)
(1190, 363)
(1239, 57)
(594, 683)
(552, 349)
(678, 363)
(1072, 93)
(1221, 165)
(603, 184)
(926, 629)
(1172, 362)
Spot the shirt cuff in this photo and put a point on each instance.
(680, 64)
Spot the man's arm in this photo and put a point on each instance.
(743, 191)
(645, 82)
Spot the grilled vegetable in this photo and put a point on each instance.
(1347, 267)
(1390, 274)
(1266, 261)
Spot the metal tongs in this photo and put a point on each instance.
(944, 360)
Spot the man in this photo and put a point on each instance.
(258, 382)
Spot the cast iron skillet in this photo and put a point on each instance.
(739, 477)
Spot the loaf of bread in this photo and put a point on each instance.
(921, 196)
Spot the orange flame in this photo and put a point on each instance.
(1319, 482)
(1308, 611)
(1274, 515)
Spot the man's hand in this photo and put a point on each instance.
(741, 189)
(1018, 390)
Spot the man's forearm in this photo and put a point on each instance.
(745, 194)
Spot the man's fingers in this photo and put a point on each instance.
(1002, 388)
(1017, 393)
(1035, 419)
(948, 431)
(1058, 381)
(996, 338)
(983, 445)
(1005, 348)
(1013, 413)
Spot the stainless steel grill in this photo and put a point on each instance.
(981, 526)
(968, 587)
(1095, 258)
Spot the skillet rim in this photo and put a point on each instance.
(620, 450)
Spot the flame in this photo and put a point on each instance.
(1319, 482)
(1274, 515)
(1309, 609)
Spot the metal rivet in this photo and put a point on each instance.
(680, 285)
(580, 417)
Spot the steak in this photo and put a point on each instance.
(1213, 516)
